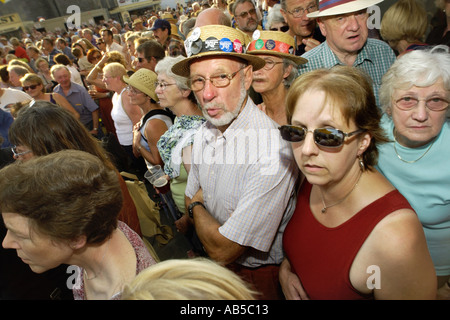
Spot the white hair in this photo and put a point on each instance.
(421, 68)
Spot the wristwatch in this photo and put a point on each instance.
(191, 208)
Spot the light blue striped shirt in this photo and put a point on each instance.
(247, 175)
(375, 58)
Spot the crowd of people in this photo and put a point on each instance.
(222, 96)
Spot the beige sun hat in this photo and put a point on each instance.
(274, 43)
(334, 7)
(144, 80)
(212, 41)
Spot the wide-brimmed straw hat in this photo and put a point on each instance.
(215, 41)
(334, 7)
(274, 43)
(143, 80)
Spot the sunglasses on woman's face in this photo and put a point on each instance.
(282, 29)
(32, 87)
(325, 137)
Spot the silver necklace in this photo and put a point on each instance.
(325, 207)
(411, 161)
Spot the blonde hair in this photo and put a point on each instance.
(115, 69)
(404, 20)
(187, 279)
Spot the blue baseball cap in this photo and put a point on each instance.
(161, 24)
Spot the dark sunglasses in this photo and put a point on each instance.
(282, 29)
(32, 87)
(325, 137)
(141, 60)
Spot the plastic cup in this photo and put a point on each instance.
(162, 184)
(152, 176)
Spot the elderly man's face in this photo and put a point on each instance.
(345, 33)
(221, 106)
(246, 17)
(62, 76)
(300, 26)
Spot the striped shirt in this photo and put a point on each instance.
(247, 175)
(375, 58)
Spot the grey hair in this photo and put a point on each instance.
(165, 65)
(294, 72)
(421, 68)
(275, 16)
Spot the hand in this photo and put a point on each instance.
(94, 132)
(290, 283)
(183, 224)
(310, 43)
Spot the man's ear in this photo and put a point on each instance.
(248, 74)
(322, 27)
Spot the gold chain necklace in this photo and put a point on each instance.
(325, 207)
(411, 161)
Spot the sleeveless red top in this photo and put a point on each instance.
(321, 256)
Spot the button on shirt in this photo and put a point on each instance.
(80, 99)
(247, 175)
(375, 59)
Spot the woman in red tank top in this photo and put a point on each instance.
(353, 235)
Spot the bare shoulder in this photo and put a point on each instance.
(397, 246)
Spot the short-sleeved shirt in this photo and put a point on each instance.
(375, 58)
(247, 175)
(80, 99)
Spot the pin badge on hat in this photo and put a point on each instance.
(256, 34)
(237, 46)
(226, 45)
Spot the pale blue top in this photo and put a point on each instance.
(426, 185)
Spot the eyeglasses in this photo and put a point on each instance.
(433, 104)
(270, 64)
(244, 15)
(325, 137)
(163, 85)
(282, 29)
(132, 90)
(219, 81)
(18, 154)
(32, 87)
(299, 12)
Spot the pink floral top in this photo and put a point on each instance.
(144, 260)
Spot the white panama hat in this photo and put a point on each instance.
(335, 7)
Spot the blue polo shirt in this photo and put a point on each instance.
(80, 99)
